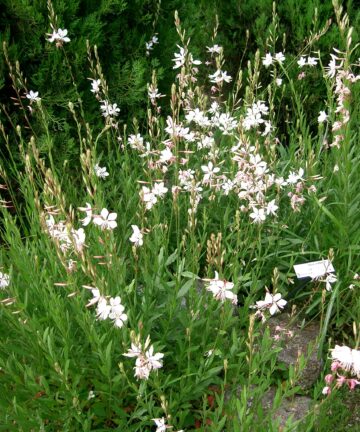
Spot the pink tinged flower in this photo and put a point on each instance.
(4, 280)
(326, 390)
(103, 309)
(267, 60)
(106, 220)
(352, 383)
(142, 368)
(221, 289)
(137, 236)
(340, 381)
(272, 302)
(134, 351)
(343, 355)
(88, 217)
(329, 378)
(335, 365)
(33, 96)
(322, 117)
(155, 360)
(258, 215)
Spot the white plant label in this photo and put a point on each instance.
(314, 269)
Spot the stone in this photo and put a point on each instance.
(297, 339)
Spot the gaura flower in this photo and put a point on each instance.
(4, 280)
(137, 236)
(272, 302)
(106, 220)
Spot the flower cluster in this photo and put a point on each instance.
(150, 45)
(272, 303)
(269, 59)
(146, 359)
(68, 238)
(345, 367)
(109, 110)
(150, 196)
(309, 61)
(221, 289)
(113, 309)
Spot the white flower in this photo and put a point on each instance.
(322, 117)
(159, 189)
(272, 302)
(348, 358)
(79, 238)
(109, 110)
(293, 177)
(301, 62)
(95, 86)
(267, 60)
(258, 215)
(4, 280)
(106, 220)
(179, 58)
(91, 395)
(33, 96)
(312, 61)
(136, 142)
(166, 155)
(96, 297)
(100, 172)
(116, 312)
(333, 67)
(148, 197)
(155, 360)
(278, 82)
(209, 171)
(220, 76)
(103, 309)
(134, 351)
(221, 289)
(59, 36)
(329, 279)
(214, 49)
(271, 208)
(160, 424)
(279, 57)
(136, 237)
(88, 211)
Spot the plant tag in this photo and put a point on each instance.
(313, 269)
